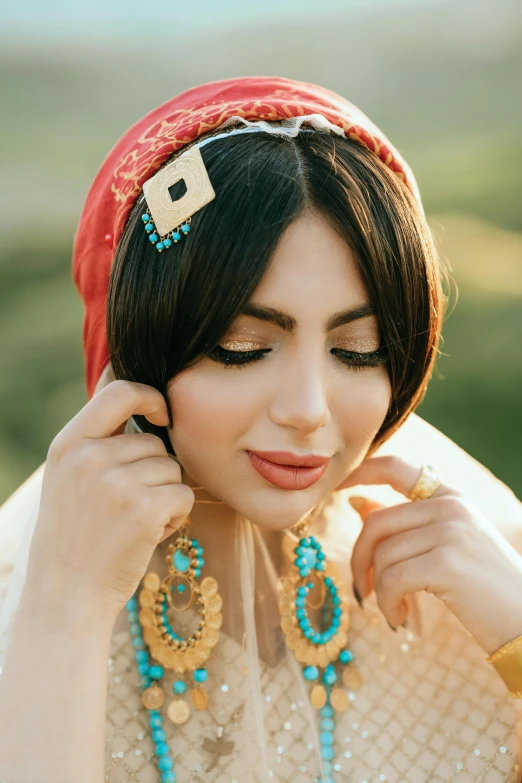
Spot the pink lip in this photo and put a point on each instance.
(287, 470)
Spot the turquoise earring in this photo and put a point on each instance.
(314, 584)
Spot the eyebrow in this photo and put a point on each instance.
(289, 324)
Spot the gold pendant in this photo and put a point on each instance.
(318, 697)
(199, 699)
(178, 711)
(152, 582)
(352, 678)
(153, 697)
(339, 700)
(146, 598)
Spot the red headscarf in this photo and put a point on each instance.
(153, 139)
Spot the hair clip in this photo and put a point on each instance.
(165, 220)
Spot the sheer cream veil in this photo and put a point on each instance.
(416, 441)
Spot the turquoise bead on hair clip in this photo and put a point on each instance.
(166, 241)
(165, 220)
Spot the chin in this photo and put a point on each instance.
(265, 505)
(276, 509)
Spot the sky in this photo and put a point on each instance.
(62, 19)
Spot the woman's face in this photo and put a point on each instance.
(307, 385)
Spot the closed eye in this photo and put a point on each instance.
(236, 358)
(353, 359)
(359, 361)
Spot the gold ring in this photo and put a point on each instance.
(427, 483)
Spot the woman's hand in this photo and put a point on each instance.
(108, 499)
(442, 545)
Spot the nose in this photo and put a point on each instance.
(301, 402)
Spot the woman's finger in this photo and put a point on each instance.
(152, 472)
(104, 414)
(363, 506)
(130, 447)
(410, 605)
(392, 470)
(175, 502)
(386, 523)
(410, 576)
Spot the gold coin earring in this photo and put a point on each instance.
(159, 601)
(314, 583)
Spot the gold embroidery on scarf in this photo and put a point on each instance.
(137, 165)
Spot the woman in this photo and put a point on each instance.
(259, 277)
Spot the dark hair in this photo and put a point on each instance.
(166, 310)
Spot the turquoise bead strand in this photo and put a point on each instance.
(326, 738)
(148, 672)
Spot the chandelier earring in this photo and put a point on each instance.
(153, 614)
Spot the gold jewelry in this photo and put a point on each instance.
(313, 576)
(167, 214)
(209, 502)
(508, 662)
(179, 591)
(427, 483)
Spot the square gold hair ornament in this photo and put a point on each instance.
(167, 220)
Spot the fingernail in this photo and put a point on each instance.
(357, 595)
(391, 626)
(357, 502)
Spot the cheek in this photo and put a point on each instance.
(210, 412)
(361, 405)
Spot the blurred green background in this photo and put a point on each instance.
(442, 80)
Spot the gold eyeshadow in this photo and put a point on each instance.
(355, 337)
(358, 337)
(356, 345)
(239, 344)
(242, 337)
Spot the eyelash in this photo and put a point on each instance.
(357, 361)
